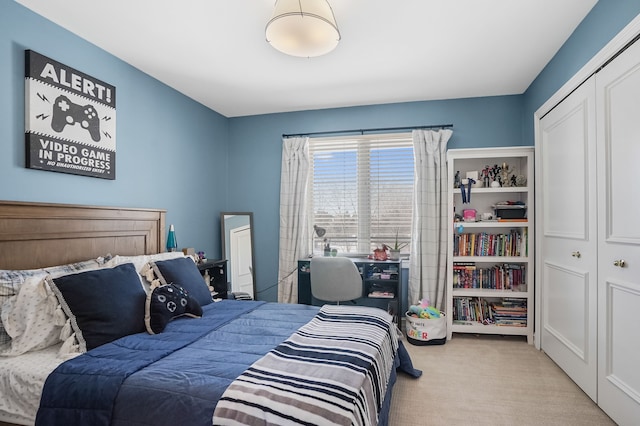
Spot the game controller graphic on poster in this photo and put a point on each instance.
(70, 119)
(66, 113)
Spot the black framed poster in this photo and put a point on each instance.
(70, 119)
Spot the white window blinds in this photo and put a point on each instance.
(361, 191)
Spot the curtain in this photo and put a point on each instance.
(294, 233)
(428, 261)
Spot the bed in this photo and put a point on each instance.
(226, 362)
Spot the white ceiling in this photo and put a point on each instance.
(215, 52)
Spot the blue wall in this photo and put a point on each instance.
(175, 154)
(168, 146)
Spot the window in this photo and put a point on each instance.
(361, 191)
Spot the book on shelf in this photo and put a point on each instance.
(506, 276)
(473, 309)
(382, 295)
(510, 312)
(511, 324)
(462, 322)
(507, 312)
(486, 244)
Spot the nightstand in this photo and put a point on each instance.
(217, 271)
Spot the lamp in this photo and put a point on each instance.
(172, 242)
(319, 231)
(303, 28)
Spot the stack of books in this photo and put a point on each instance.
(510, 312)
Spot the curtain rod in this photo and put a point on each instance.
(363, 131)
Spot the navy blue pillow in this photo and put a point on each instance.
(183, 271)
(166, 303)
(103, 304)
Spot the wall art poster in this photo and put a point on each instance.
(70, 119)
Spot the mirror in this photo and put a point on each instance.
(237, 247)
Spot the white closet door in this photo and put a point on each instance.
(567, 244)
(618, 93)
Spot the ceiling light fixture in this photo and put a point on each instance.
(303, 28)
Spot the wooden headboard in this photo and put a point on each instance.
(35, 235)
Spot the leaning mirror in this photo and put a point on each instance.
(237, 248)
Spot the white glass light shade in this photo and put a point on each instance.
(303, 28)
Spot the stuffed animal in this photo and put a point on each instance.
(423, 310)
(414, 309)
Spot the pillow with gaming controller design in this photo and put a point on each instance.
(168, 302)
(184, 272)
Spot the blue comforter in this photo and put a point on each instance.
(171, 378)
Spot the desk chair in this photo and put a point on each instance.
(335, 279)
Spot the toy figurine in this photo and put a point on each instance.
(486, 183)
(495, 172)
(504, 171)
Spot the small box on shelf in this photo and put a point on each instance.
(510, 211)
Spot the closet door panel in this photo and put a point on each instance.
(619, 346)
(566, 193)
(621, 299)
(622, 127)
(565, 311)
(618, 94)
(565, 164)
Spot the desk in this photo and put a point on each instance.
(381, 284)
(216, 270)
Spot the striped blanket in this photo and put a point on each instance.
(333, 371)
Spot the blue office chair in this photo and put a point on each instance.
(335, 279)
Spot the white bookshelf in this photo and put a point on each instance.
(490, 263)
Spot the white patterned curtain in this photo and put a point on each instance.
(428, 261)
(294, 232)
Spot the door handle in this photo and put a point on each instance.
(576, 254)
(620, 263)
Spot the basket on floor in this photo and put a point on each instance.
(421, 331)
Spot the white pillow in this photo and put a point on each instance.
(33, 318)
(11, 281)
(140, 261)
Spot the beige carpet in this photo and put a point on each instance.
(489, 380)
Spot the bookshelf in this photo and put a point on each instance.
(490, 241)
